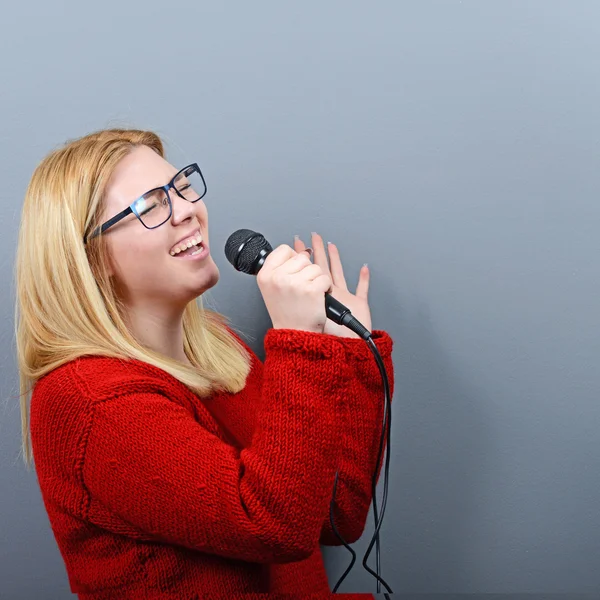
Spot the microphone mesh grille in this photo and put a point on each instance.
(243, 247)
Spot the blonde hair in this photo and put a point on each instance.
(66, 304)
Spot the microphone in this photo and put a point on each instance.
(247, 251)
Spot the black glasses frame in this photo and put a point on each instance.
(131, 209)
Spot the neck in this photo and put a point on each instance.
(159, 328)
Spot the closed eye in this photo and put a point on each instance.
(147, 209)
(147, 206)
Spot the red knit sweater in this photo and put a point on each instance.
(153, 493)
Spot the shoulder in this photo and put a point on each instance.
(93, 379)
(64, 401)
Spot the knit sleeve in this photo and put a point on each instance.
(360, 438)
(148, 461)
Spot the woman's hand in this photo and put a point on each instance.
(358, 302)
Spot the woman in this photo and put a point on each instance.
(171, 461)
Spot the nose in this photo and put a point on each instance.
(182, 209)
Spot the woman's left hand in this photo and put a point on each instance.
(358, 302)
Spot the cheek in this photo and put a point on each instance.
(202, 216)
(135, 260)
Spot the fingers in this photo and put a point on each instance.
(313, 272)
(334, 268)
(337, 272)
(322, 283)
(362, 289)
(297, 263)
(300, 247)
(277, 257)
(298, 244)
(320, 256)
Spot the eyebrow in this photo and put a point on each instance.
(157, 187)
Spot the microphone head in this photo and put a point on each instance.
(243, 249)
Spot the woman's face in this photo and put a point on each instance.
(142, 260)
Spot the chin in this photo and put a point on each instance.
(216, 275)
(209, 280)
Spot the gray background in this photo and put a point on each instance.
(452, 145)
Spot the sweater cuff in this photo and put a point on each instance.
(362, 363)
(314, 345)
(358, 349)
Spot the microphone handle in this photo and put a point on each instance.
(341, 315)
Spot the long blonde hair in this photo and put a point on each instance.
(66, 306)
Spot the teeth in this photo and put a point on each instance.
(197, 241)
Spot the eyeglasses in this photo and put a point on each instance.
(154, 208)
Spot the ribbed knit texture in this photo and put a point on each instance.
(153, 492)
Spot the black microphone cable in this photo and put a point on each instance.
(386, 428)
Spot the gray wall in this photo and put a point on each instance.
(455, 147)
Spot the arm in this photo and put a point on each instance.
(148, 461)
(360, 438)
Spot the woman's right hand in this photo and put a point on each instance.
(293, 289)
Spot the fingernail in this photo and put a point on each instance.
(296, 237)
(366, 265)
(309, 250)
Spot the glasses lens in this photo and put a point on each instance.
(190, 185)
(153, 208)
